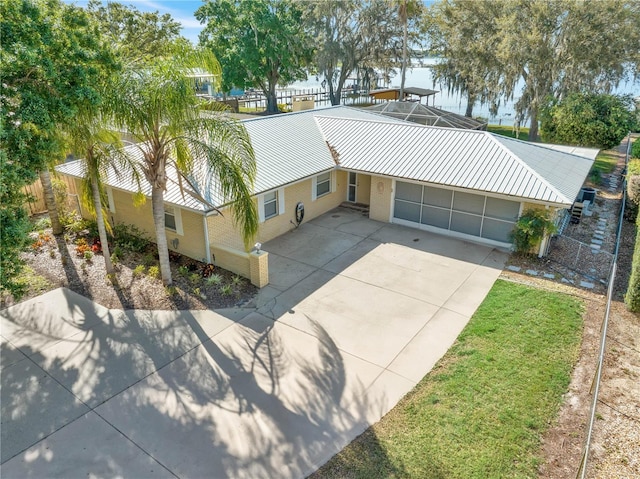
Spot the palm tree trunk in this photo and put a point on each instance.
(50, 201)
(102, 231)
(157, 204)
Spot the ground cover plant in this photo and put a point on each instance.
(482, 410)
(76, 260)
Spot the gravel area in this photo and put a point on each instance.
(58, 264)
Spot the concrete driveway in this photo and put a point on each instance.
(356, 314)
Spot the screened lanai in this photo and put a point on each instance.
(426, 115)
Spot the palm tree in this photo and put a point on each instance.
(157, 105)
(99, 147)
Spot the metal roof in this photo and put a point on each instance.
(470, 159)
(425, 115)
(590, 153)
(126, 182)
(288, 147)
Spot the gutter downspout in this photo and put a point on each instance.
(206, 238)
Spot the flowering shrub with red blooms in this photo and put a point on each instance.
(97, 246)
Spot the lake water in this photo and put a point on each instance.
(421, 77)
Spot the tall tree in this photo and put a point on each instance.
(135, 36)
(157, 105)
(541, 49)
(260, 43)
(465, 37)
(90, 139)
(51, 61)
(358, 35)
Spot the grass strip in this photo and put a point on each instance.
(482, 410)
(507, 130)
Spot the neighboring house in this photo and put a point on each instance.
(467, 184)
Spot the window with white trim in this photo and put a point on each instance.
(169, 218)
(270, 205)
(323, 184)
(173, 219)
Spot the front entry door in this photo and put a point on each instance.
(353, 185)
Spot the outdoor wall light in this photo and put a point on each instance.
(257, 246)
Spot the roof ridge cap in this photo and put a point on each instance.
(406, 123)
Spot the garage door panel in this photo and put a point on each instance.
(437, 217)
(464, 223)
(457, 211)
(437, 197)
(502, 209)
(407, 211)
(408, 192)
(468, 203)
(497, 230)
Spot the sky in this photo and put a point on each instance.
(181, 10)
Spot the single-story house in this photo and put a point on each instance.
(463, 183)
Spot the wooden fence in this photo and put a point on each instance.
(35, 196)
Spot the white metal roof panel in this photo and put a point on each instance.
(475, 160)
(291, 147)
(288, 148)
(125, 181)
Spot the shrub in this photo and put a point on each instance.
(214, 280)
(184, 271)
(226, 290)
(130, 237)
(635, 149)
(632, 297)
(530, 229)
(88, 255)
(194, 278)
(154, 272)
(148, 259)
(237, 280)
(139, 270)
(42, 224)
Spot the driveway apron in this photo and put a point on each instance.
(356, 313)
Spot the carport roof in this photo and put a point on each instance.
(475, 160)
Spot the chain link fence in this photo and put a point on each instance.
(581, 258)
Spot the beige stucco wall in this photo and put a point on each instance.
(363, 188)
(191, 243)
(380, 199)
(222, 231)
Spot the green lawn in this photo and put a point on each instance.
(508, 131)
(605, 162)
(482, 410)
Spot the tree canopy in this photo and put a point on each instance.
(260, 43)
(52, 60)
(358, 35)
(135, 35)
(584, 119)
(534, 50)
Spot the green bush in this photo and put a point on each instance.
(154, 272)
(632, 298)
(130, 237)
(530, 229)
(635, 149)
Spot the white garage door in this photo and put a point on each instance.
(467, 213)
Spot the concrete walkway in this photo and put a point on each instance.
(356, 314)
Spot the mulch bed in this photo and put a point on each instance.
(56, 259)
